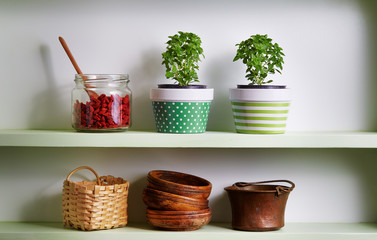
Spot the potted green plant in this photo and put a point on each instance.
(182, 107)
(259, 107)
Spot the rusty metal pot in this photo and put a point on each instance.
(258, 206)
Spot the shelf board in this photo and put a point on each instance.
(210, 139)
(218, 231)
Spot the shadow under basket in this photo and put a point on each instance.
(93, 205)
(258, 206)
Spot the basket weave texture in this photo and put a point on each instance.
(90, 205)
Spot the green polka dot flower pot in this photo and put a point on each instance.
(181, 110)
(259, 110)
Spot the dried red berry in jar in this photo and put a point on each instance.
(103, 113)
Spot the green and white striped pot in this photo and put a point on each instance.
(181, 110)
(259, 110)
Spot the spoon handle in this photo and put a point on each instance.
(70, 56)
(76, 66)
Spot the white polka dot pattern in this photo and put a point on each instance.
(181, 117)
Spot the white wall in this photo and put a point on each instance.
(325, 43)
(328, 46)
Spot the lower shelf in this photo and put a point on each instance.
(218, 231)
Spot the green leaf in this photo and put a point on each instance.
(183, 52)
(261, 57)
(169, 75)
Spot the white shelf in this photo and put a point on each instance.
(150, 139)
(217, 231)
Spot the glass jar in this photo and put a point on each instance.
(101, 102)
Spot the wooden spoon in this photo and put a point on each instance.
(92, 94)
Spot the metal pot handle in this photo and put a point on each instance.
(279, 189)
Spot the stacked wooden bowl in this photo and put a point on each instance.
(177, 201)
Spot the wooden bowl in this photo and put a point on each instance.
(179, 183)
(167, 201)
(151, 211)
(179, 220)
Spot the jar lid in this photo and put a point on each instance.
(99, 77)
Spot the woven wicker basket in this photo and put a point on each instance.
(95, 205)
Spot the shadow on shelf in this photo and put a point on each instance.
(44, 206)
(142, 78)
(365, 166)
(135, 198)
(221, 202)
(51, 225)
(369, 7)
(221, 108)
(51, 108)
